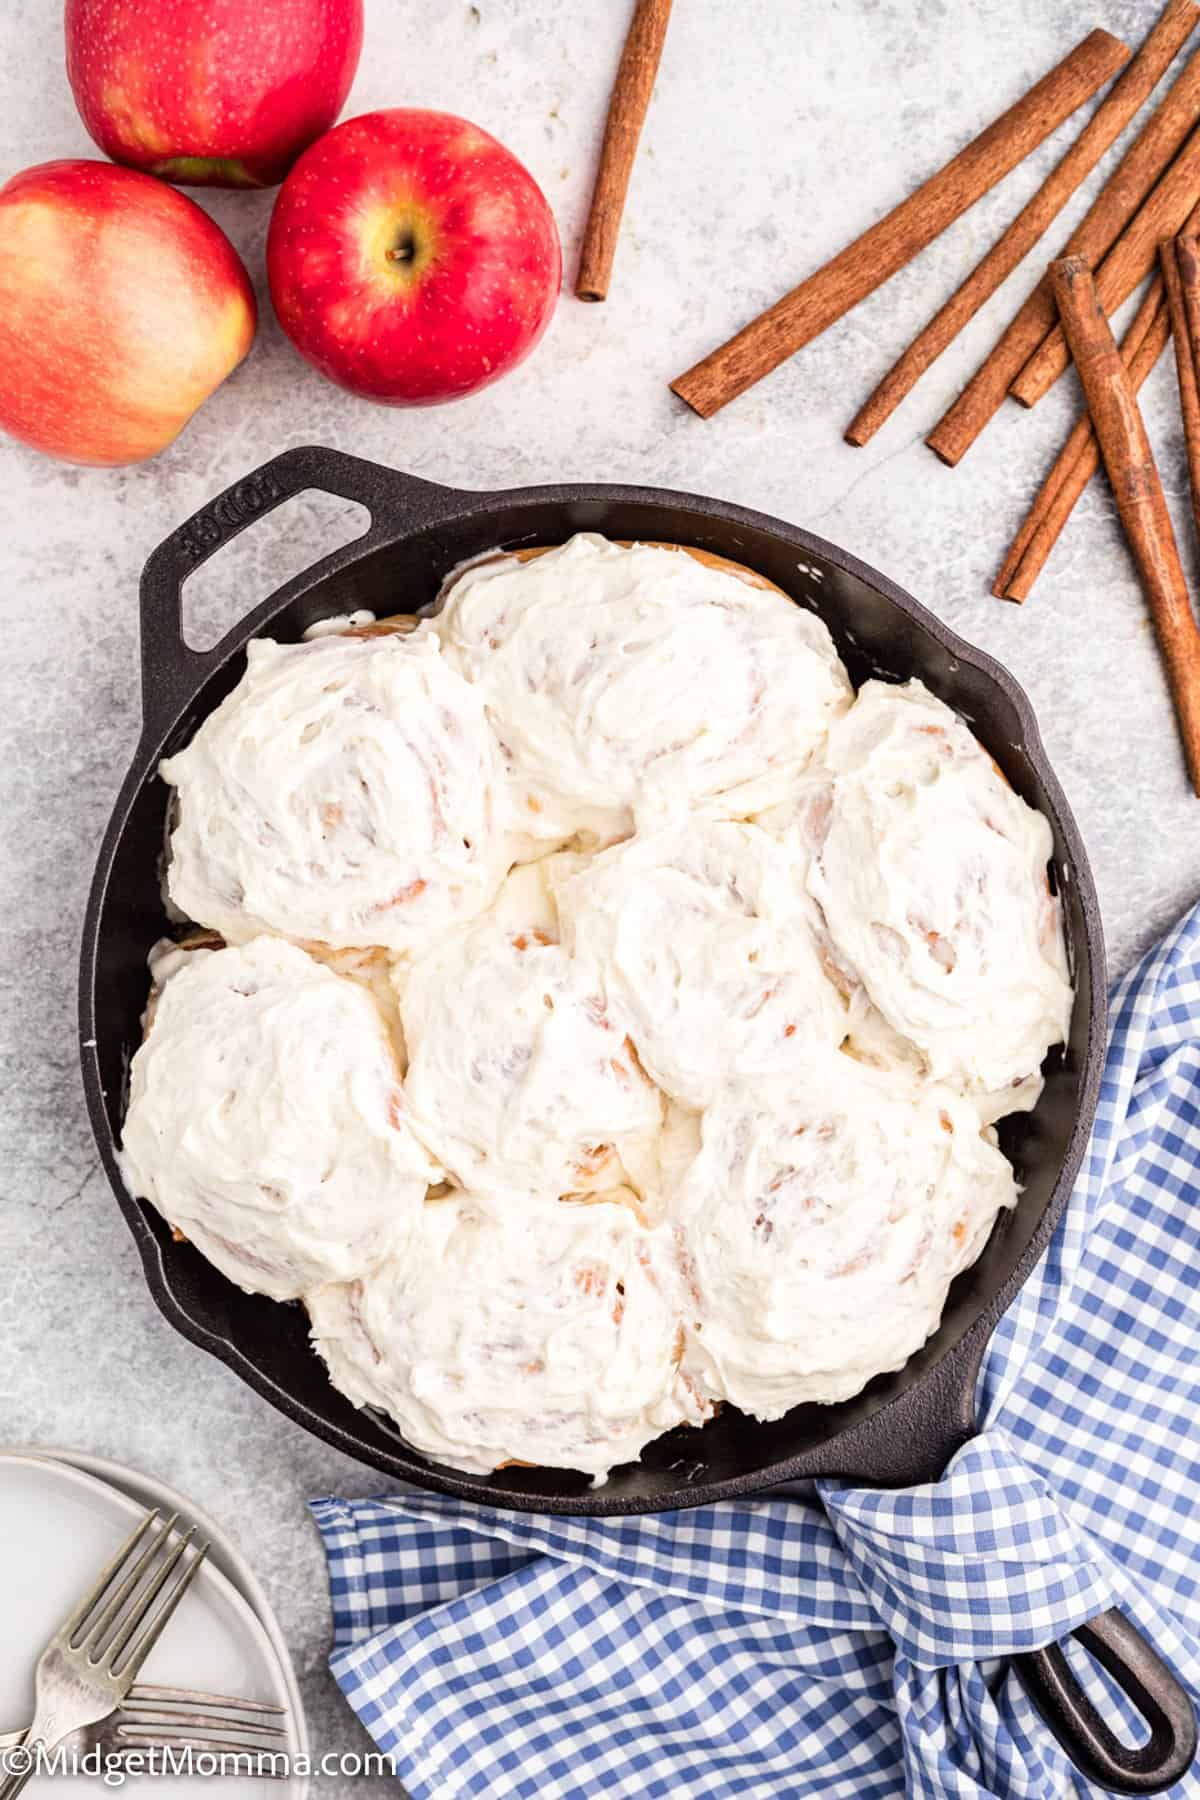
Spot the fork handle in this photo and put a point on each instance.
(15, 1781)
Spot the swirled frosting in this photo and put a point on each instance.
(825, 1216)
(688, 1107)
(347, 791)
(628, 683)
(932, 877)
(706, 941)
(547, 1334)
(519, 1079)
(267, 1123)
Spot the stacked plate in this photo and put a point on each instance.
(62, 1516)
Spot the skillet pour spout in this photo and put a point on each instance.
(905, 1426)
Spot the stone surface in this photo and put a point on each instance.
(777, 133)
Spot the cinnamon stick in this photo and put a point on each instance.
(626, 115)
(1181, 273)
(1137, 489)
(1129, 261)
(1079, 459)
(1143, 344)
(1143, 163)
(895, 239)
(1107, 123)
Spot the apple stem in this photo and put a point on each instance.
(405, 250)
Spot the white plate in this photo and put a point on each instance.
(148, 1491)
(58, 1528)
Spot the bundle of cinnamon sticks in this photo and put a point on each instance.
(1146, 198)
(1130, 227)
(1152, 199)
(1121, 435)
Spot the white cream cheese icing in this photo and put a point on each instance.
(266, 1120)
(547, 1334)
(706, 940)
(371, 969)
(518, 1077)
(796, 873)
(932, 877)
(337, 623)
(167, 958)
(824, 1218)
(348, 791)
(628, 683)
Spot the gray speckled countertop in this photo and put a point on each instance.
(780, 129)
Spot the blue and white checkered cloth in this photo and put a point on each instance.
(851, 1644)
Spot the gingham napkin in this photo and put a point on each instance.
(849, 1644)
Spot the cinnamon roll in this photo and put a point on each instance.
(547, 1334)
(932, 876)
(707, 943)
(348, 791)
(519, 1078)
(630, 682)
(824, 1218)
(267, 1120)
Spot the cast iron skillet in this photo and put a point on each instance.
(904, 1427)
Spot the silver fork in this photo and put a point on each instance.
(179, 1719)
(91, 1662)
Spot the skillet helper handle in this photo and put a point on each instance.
(1092, 1746)
(171, 670)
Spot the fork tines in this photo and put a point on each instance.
(147, 1695)
(120, 1621)
(166, 1721)
(166, 1710)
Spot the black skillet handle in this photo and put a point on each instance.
(171, 671)
(1092, 1746)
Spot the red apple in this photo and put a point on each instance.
(220, 93)
(412, 258)
(122, 306)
